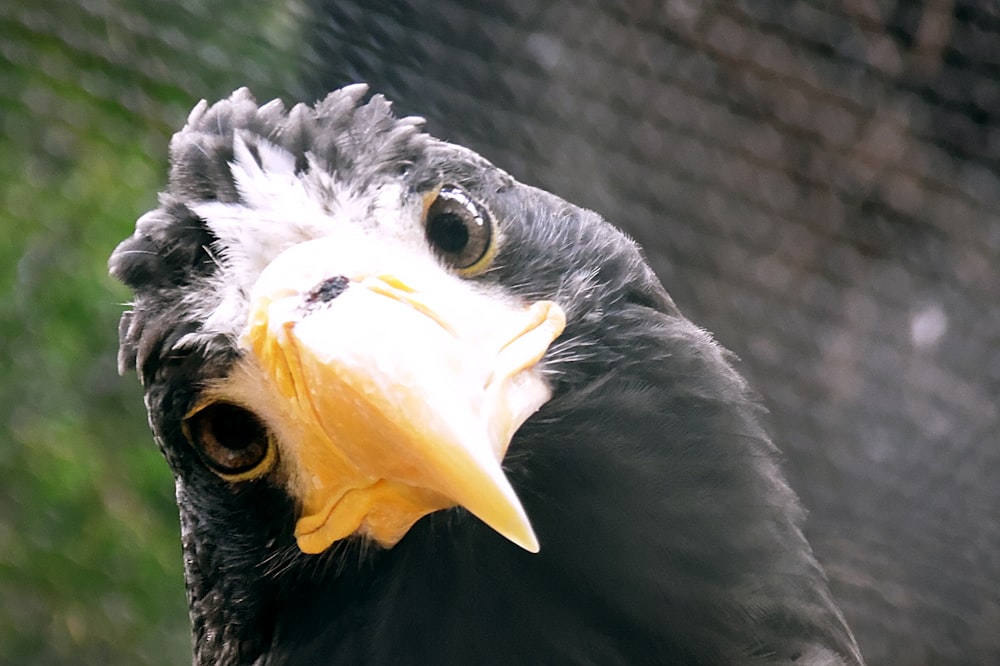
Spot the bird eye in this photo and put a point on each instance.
(231, 440)
(460, 230)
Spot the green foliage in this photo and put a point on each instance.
(90, 564)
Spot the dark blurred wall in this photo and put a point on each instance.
(816, 183)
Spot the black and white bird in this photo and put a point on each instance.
(421, 413)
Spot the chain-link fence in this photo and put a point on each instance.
(816, 182)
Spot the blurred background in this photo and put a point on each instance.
(815, 181)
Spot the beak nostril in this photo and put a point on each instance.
(327, 290)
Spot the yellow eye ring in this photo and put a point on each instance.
(231, 440)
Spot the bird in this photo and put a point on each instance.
(418, 412)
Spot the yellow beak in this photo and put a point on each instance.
(401, 390)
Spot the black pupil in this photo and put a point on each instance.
(448, 231)
(231, 439)
(458, 230)
(234, 427)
